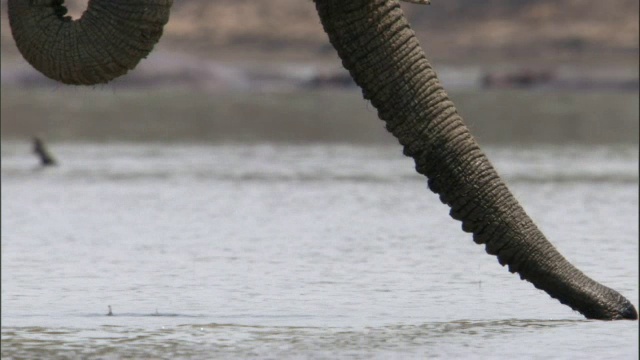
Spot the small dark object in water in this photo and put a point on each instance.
(109, 313)
(46, 159)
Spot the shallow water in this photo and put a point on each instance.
(282, 251)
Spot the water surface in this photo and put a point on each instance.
(305, 251)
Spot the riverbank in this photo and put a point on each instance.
(172, 69)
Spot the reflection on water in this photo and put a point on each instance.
(282, 251)
(485, 339)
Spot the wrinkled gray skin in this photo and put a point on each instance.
(377, 46)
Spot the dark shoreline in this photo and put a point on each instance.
(171, 70)
(511, 116)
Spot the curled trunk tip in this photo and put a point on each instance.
(110, 38)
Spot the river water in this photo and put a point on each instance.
(274, 251)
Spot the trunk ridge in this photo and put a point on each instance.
(382, 54)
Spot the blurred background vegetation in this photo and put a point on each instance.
(238, 70)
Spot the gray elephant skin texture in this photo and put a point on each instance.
(381, 52)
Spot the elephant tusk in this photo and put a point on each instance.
(420, 2)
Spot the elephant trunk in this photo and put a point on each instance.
(378, 47)
(107, 41)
